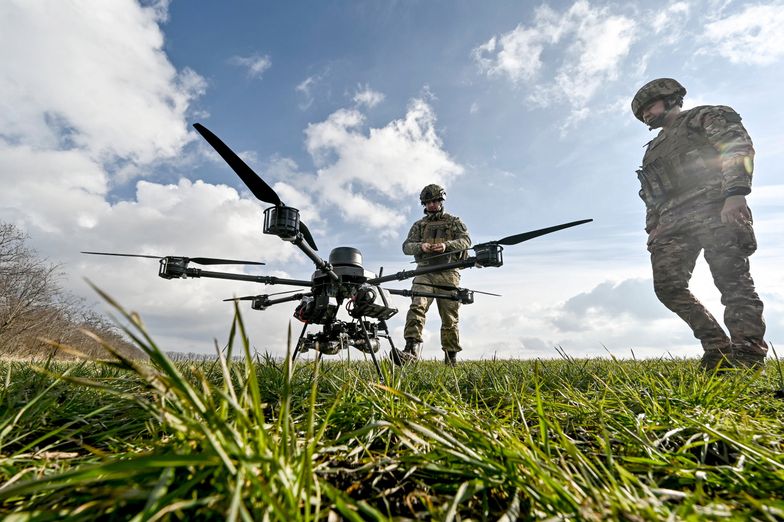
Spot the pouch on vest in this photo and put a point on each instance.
(655, 179)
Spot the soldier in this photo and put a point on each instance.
(436, 233)
(695, 176)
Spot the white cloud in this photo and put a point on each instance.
(610, 318)
(632, 298)
(98, 82)
(50, 189)
(305, 88)
(753, 36)
(516, 54)
(668, 23)
(595, 43)
(393, 162)
(368, 97)
(187, 219)
(92, 94)
(256, 64)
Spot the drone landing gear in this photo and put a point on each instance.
(372, 353)
(339, 335)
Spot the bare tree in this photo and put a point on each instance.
(33, 306)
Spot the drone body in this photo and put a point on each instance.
(339, 281)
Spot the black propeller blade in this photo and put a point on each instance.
(307, 235)
(243, 298)
(253, 181)
(456, 289)
(525, 236)
(517, 238)
(197, 260)
(257, 186)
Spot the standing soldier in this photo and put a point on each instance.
(695, 176)
(434, 234)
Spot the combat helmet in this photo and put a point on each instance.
(432, 192)
(660, 88)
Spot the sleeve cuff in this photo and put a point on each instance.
(737, 191)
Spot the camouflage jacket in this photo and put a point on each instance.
(704, 157)
(437, 228)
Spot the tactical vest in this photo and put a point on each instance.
(679, 164)
(438, 229)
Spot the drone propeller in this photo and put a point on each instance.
(525, 236)
(517, 238)
(253, 181)
(252, 297)
(456, 289)
(197, 260)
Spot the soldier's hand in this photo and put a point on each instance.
(735, 210)
(438, 248)
(427, 247)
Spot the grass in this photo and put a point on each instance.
(257, 439)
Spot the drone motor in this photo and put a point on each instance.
(173, 267)
(282, 221)
(489, 254)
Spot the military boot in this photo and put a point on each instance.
(715, 359)
(749, 355)
(409, 354)
(412, 349)
(450, 358)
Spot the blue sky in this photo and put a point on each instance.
(348, 109)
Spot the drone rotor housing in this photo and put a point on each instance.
(489, 254)
(282, 221)
(173, 267)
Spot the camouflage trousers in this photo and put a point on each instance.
(726, 248)
(448, 310)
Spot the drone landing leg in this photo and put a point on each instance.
(299, 342)
(383, 325)
(370, 349)
(394, 354)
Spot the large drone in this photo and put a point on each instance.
(341, 279)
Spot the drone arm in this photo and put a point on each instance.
(320, 263)
(407, 274)
(293, 297)
(267, 280)
(462, 295)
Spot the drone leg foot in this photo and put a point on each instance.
(372, 353)
(299, 342)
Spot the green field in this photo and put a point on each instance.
(486, 440)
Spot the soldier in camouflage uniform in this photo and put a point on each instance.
(695, 176)
(434, 234)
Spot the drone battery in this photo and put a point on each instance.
(282, 222)
(362, 346)
(376, 311)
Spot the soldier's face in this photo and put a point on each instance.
(652, 111)
(433, 206)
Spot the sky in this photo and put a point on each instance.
(521, 110)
